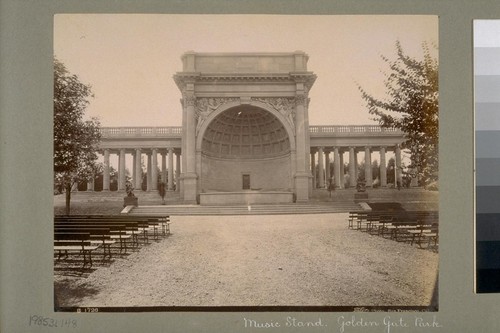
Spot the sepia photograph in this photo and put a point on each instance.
(234, 163)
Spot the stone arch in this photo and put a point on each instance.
(231, 104)
(270, 145)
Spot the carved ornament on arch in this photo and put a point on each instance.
(301, 100)
(284, 105)
(189, 100)
(206, 105)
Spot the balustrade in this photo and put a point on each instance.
(117, 132)
(353, 130)
(176, 131)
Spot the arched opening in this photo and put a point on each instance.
(245, 148)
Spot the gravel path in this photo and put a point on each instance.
(308, 260)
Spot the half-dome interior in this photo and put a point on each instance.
(245, 132)
(246, 148)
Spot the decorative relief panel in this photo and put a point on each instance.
(301, 100)
(284, 105)
(205, 106)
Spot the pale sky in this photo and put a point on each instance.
(129, 59)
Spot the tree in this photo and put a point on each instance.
(75, 139)
(411, 105)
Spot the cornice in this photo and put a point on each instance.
(183, 78)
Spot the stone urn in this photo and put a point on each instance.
(130, 199)
(361, 194)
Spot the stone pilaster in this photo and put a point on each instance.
(189, 152)
(301, 175)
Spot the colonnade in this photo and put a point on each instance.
(166, 172)
(323, 162)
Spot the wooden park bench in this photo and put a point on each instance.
(425, 234)
(379, 227)
(146, 223)
(79, 242)
(361, 218)
(399, 231)
(98, 236)
(118, 231)
(353, 218)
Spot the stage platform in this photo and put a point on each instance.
(250, 197)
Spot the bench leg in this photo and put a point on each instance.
(123, 245)
(419, 240)
(85, 260)
(108, 246)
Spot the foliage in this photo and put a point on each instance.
(411, 105)
(75, 140)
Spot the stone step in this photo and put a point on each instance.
(343, 207)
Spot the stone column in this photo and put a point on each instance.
(301, 132)
(368, 167)
(321, 170)
(134, 167)
(170, 169)
(342, 171)
(383, 168)
(177, 171)
(164, 167)
(148, 171)
(105, 175)
(327, 167)
(121, 170)
(352, 167)
(356, 168)
(189, 149)
(154, 169)
(398, 166)
(90, 184)
(336, 167)
(138, 169)
(313, 167)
